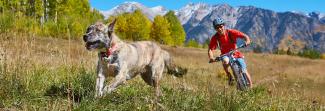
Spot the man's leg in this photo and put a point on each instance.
(225, 63)
(230, 78)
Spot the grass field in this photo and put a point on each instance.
(54, 74)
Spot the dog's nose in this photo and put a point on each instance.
(85, 37)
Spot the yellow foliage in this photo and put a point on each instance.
(323, 56)
(133, 26)
(160, 30)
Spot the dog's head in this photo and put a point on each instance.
(99, 36)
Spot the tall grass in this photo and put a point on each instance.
(56, 74)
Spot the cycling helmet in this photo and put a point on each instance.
(218, 21)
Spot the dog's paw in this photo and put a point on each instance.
(108, 90)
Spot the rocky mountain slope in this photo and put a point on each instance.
(266, 27)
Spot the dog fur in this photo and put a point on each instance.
(127, 60)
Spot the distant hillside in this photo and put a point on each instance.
(266, 27)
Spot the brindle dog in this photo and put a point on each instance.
(124, 61)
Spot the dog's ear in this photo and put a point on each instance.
(111, 26)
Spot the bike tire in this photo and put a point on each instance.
(241, 82)
(245, 79)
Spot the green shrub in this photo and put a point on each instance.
(6, 22)
(258, 49)
(280, 51)
(310, 53)
(192, 43)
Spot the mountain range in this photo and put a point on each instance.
(265, 27)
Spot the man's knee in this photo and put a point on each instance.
(225, 60)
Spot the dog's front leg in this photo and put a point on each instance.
(100, 80)
(119, 79)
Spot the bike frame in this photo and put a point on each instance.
(241, 77)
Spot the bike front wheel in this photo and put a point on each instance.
(241, 78)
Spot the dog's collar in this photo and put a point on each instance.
(109, 51)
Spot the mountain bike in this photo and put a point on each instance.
(240, 75)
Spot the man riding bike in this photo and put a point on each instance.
(225, 39)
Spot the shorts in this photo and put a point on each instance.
(242, 64)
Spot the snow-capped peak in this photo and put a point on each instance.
(132, 6)
(321, 15)
(160, 10)
(122, 8)
(199, 10)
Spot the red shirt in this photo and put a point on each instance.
(225, 43)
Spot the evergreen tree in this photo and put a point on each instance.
(176, 29)
(160, 30)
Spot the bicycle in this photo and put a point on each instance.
(240, 76)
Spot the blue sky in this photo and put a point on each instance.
(275, 5)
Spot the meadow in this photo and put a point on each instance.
(38, 73)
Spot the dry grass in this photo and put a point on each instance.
(282, 75)
(45, 51)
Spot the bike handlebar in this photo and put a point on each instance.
(230, 52)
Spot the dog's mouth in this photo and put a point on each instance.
(92, 45)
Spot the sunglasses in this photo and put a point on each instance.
(218, 26)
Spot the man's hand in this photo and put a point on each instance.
(212, 60)
(247, 40)
(247, 43)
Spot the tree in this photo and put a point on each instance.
(141, 25)
(121, 27)
(176, 29)
(160, 31)
(258, 48)
(2, 6)
(133, 26)
(192, 43)
(206, 43)
(310, 53)
(56, 18)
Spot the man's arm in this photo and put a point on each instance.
(212, 47)
(210, 54)
(241, 35)
(247, 39)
